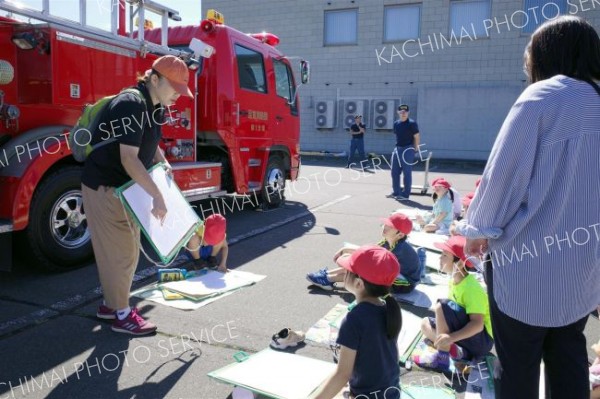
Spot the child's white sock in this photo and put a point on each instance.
(123, 313)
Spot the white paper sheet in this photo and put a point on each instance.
(426, 240)
(411, 327)
(210, 283)
(155, 295)
(424, 296)
(277, 374)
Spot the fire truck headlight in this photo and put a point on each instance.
(7, 72)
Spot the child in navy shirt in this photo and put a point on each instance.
(395, 231)
(368, 355)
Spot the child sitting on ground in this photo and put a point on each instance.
(595, 371)
(367, 339)
(461, 328)
(439, 220)
(395, 232)
(208, 242)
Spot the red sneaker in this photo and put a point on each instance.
(133, 324)
(106, 313)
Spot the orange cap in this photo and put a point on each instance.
(176, 72)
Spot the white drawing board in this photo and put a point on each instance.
(277, 374)
(180, 222)
(426, 240)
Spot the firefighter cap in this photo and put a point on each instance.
(176, 72)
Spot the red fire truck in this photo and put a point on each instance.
(239, 135)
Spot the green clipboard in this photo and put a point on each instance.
(180, 223)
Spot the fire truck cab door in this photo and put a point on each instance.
(252, 94)
(285, 110)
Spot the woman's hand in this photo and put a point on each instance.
(476, 246)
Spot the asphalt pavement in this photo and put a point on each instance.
(52, 345)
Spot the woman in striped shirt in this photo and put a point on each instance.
(532, 218)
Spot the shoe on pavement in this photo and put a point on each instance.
(133, 324)
(320, 279)
(106, 313)
(286, 338)
(436, 360)
(402, 198)
(392, 195)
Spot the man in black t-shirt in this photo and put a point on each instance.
(357, 143)
(135, 121)
(403, 156)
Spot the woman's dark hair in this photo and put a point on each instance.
(146, 77)
(567, 45)
(393, 318)
(450, 193)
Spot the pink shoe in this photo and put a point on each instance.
(106, 313)
(133, 324)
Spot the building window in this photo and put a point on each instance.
(540, 11)
(341, 27)
(470, 16)
(401, 22)
(251, 69)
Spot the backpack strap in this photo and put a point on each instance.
(131, 90)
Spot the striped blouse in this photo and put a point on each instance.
(538, 205)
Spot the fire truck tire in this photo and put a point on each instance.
(57, 234)
(273, 189)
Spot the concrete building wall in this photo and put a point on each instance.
(460, 88)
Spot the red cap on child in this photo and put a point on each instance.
(440, 181)
(214, 229)
(466, 201)
(456, 246)
(372, 263)
(400, 222)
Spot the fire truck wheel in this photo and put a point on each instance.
(273, 189)
(57, 234)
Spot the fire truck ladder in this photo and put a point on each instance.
(136, 7)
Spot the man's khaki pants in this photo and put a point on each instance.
(116, 243)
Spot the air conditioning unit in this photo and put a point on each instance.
(325, 114)
(350, 108)
(383, 114)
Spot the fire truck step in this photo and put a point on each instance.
(193, 165)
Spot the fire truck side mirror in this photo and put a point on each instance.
(304, 72)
